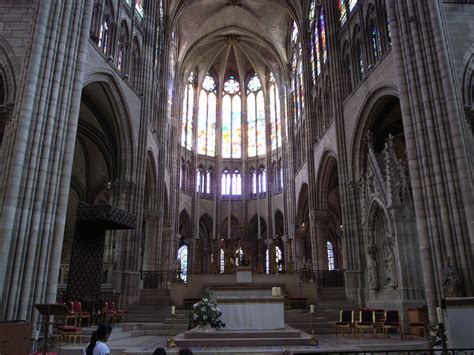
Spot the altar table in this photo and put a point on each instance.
(252, 312)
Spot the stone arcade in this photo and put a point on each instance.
(325, 146)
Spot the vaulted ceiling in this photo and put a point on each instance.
(233, 35)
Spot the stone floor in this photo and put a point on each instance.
(130, 342)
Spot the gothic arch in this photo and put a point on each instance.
(185, 225)
(374, 102)
(104, 86)
(326, 168)
(7, 73)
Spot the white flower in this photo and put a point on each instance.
(195, 305)
(195, 316)
(217, 309)
(203, 309)
(204, 299)
(204, 317)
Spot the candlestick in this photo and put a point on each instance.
(312, 341)
(173, 310)
(311, 308)
(37, 335)
(439, 315)
(171, 343)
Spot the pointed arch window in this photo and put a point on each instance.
(330, 250)
(123, 48)
(343, 13)
(255, 118)
(315, 51)
(262, 180)
(297, 90)
(187, 118)
(275, 116)
(183, 262)
(236, 183)
(135, 71)
(374, 35)
(200, 180)
(322, 31)
(231, 119)
(207, 117)
(279, 258)
(225, 182)
(209, 178)
(105, 29)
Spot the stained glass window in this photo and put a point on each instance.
(322, 31)
(297, 90)
(207, 117)
(225, 183)
(262, 180)
(221, 261)
(187, 117)
(314, 44)
(352, 4)
(255, 118)
(231, 119)
(342, 11)
(183, 262)
(275, 117)
(239, 254)
(279, 258)
(267, 261)
(209, 183)
(236, 183)
(374, 39)
(330, 248)
(139, 8)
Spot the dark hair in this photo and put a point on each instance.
(101, 333)
(159, 351)
(186, 352)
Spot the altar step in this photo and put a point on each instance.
(153, 306)
(301, 320)
(242, 338)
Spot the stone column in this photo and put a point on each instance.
(151, 253)
(39, 153)
(321, 226)
(437, 143)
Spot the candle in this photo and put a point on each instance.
(173, 310)
(311, 308)
(37, 335)
(439, 314)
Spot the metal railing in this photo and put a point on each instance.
(401, 351)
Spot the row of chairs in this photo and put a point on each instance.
(369, 319)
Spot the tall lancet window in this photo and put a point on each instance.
(315, 51)
(297, 90)
(187, 118)
(322, 31)
(105, 30)
(255, 118)
(231, 119)
(207, 117)
(275, 117)
(123, 47)
(225, 182)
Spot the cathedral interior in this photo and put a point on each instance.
(325, 145)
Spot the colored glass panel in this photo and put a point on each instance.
(236, 127)
(261, 146)
(202, 123)
(352, 4)
(330, 249)
(342, 11)
(322, 31)
(183, 262)
(139, 7)
(211, 124)
(189, 126)
(317, 52)
(251, 125)
(226, 127)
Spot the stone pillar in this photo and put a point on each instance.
(151, 254)
(38, 155)
(437, 143)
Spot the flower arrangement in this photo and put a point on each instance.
(437, 334)
(206, 312)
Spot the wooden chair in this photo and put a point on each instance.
(418, 321)
(346, 321)
(120, 314)
(76, 307)
(392, 321)
(109, 314)
(71, 317)
(366, 321)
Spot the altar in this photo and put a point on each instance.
(252, 312)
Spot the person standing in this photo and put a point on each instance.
(97, 344)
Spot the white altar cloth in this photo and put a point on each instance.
(252, 312)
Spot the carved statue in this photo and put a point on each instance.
(390, 263)
(451, 280)
(372, 268)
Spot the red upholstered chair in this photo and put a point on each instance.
(346, 321)
(366, 321)
(70, 334)
(77, 309)
(120, 314)
(392, 321)
(71, 319)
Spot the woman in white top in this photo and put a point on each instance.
(97, 344)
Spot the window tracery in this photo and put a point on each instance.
(256, 141)
(207, 117)
(231, 119)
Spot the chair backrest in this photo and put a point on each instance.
(112, 306)
(76, 306)
(346, 316)
(392, 316)
(367, 316)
